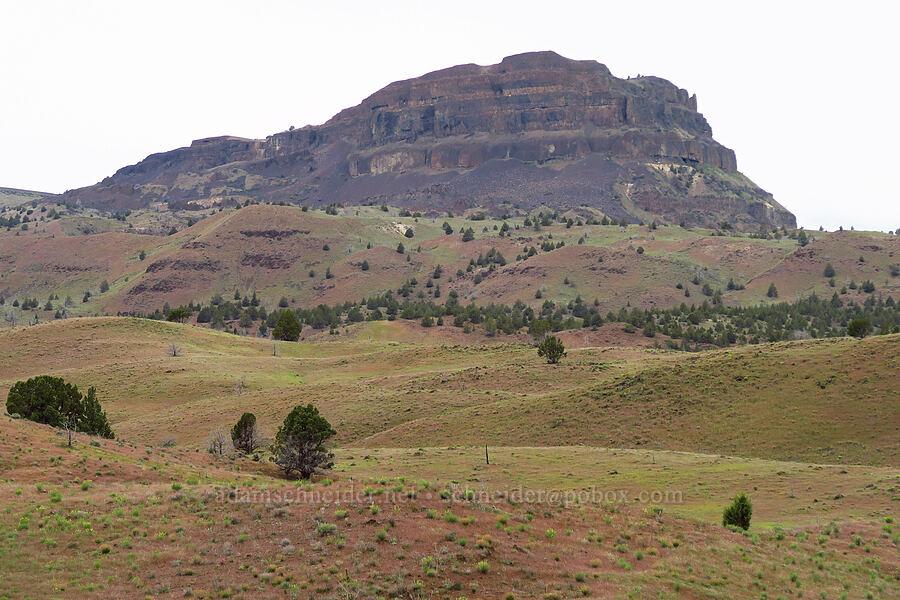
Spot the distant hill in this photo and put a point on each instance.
(535, 130)
(311, 257)
(10, 197)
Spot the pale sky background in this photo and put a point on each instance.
(806, 93)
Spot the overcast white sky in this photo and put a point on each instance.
(805, 93)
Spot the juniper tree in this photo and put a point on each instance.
(287, 328)
(552, 349)
(300, 442)
(245, 435)
(738, 513)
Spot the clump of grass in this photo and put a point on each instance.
(428, 566)
(324, 529)
(550, 534)
(483, 566)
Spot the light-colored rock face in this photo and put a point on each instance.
(475, 136)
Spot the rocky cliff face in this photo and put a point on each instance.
(534, 130)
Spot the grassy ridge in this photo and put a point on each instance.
(825, 401)
(10, 197)
(281, 251)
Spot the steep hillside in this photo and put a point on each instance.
(535, 129)
(311, 257)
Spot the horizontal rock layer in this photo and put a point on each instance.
(472, 136)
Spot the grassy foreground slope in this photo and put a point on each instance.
(381, 385)
(111, 520)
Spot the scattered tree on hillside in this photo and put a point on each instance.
(287, 328)
(552, 349)
(400, 248)
(859, 327)
(468, 235)
(174, 350)
(93, 419)
(300, 442)
(179, 314)
(409, 232)
(773, 291)
(738, 513)
(829, 271)
(538, 329)
(218, 441)
(245, 435)
(104, 286)
(52, 401)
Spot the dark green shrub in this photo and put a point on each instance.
(244, 434)
(52, 401)
(859, 327)
(287, 328)
(552, 349)
(299, 443)
(738, 513)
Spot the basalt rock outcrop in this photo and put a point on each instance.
(534, 130)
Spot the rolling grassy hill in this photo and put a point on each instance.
(11, 197)
(280, 251)
(826, 401)
(645, 429)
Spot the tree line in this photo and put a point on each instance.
(689, 326)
